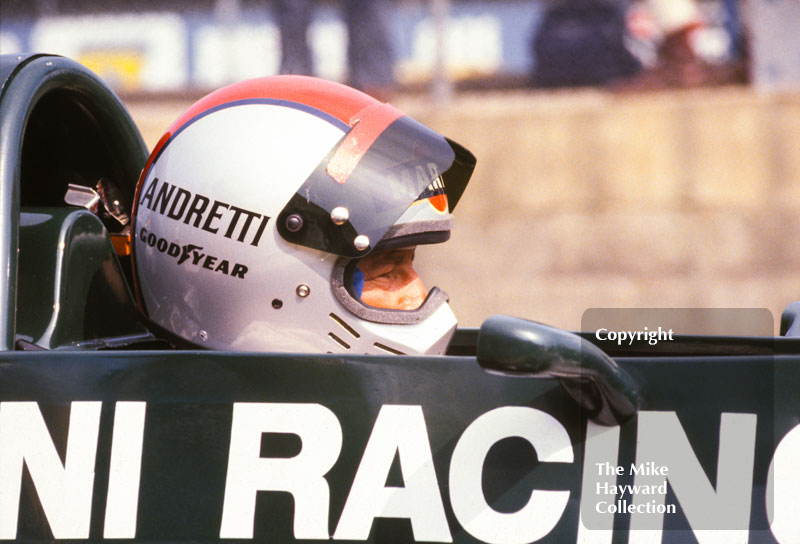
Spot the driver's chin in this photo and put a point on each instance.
(406, 296)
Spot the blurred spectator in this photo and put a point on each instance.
(369, 53)
(294, 19)
(581, 42)
(736, 32)
(678, 64)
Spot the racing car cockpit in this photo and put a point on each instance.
(67, 141)
(71, 157)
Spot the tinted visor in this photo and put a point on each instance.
(370, 178)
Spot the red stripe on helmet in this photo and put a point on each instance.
(367, 126)
(335, 99)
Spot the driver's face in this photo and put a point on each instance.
(390, 280)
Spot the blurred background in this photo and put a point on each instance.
(631, 153)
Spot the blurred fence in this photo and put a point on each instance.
(590, 199)
(157, 51)
(175, 45)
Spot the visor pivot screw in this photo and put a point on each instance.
(361, 242)
(303, 290)
(294, 223)
(203, 335)
(340, 215)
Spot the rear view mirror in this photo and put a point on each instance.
(518, 347)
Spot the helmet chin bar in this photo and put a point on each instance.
(436, 297)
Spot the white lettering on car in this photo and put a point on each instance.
(65, 490)
(664, 455)
(401, 431)
(544, 508)
(303, 475)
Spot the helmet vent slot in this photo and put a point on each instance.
(339, 341)
(342, 323)
(387, 349)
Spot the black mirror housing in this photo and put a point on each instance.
(519, 347)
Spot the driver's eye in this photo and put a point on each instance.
(383, 263)
(390, 281)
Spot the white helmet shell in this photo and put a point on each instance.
(255, 202)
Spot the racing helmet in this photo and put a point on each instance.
(255, 208)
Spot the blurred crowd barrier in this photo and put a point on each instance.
(171, 46)
(161, 51)
(588, 199)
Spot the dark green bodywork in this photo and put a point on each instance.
(60, 124)
(71, 333)
(71, 282)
